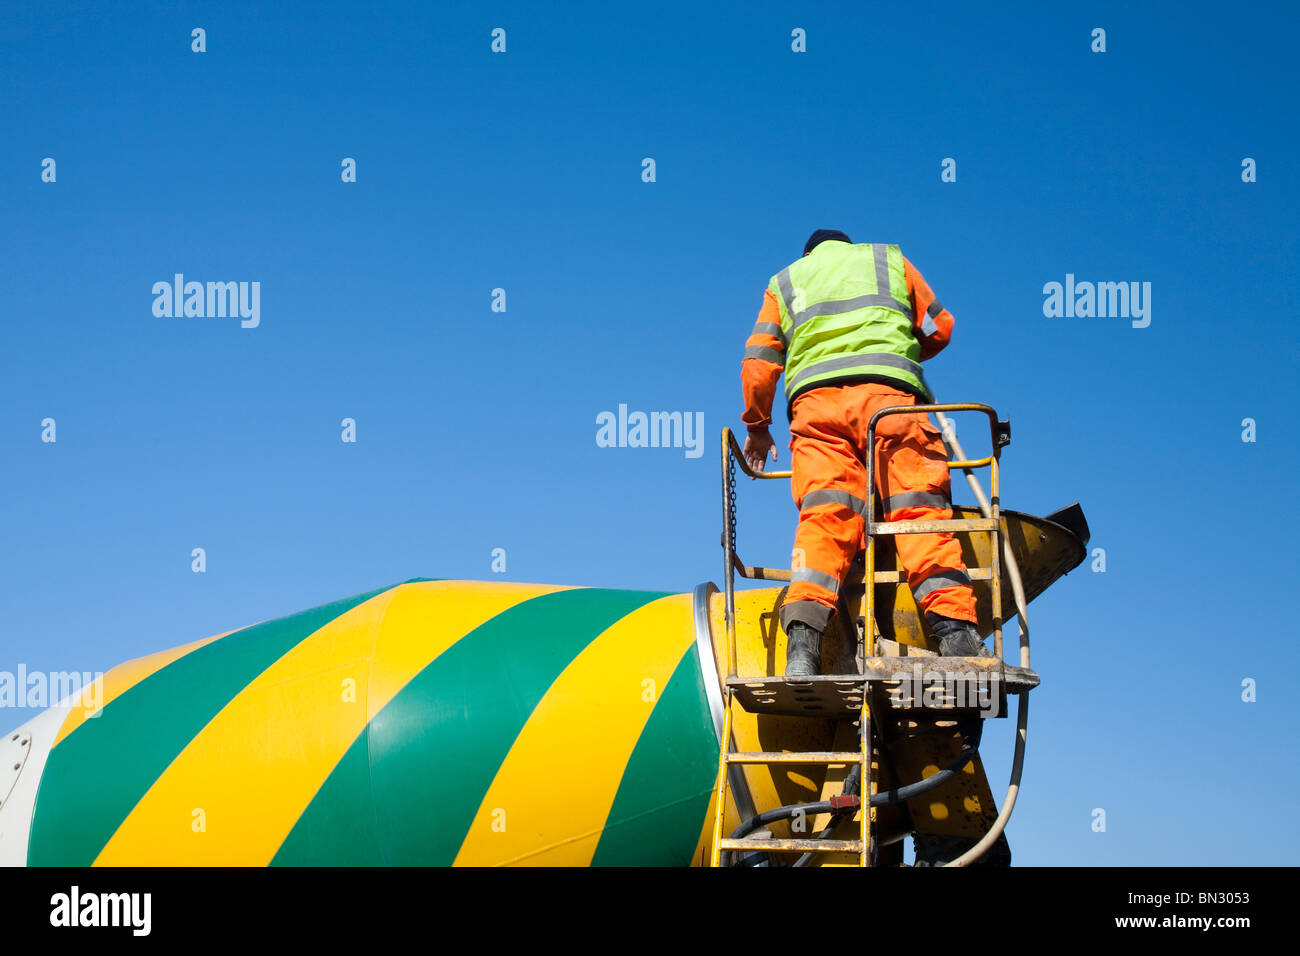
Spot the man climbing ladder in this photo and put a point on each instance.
(849, 325)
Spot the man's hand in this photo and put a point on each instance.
(758, 446)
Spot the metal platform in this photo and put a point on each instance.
(824, 696)
(952, 685)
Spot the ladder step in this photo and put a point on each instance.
(899, 577)
(812, 756)
(928, 527)
(763, 574)
(823, 846)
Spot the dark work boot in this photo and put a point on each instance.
(960, 639)
(803, 650)
(956, 638)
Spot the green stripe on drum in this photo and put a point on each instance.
(340, 826)
(436, 747)
(95, 776)
(663, 798)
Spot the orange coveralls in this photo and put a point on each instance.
(828, 436)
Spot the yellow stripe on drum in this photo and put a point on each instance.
(552, 795)
(234, 793)
(121, 679)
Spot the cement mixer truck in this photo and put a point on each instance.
(474, 723)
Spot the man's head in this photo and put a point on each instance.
(820, 236)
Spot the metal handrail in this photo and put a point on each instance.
(1000, 433)
(733, 454)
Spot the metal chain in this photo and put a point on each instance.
(731, 502)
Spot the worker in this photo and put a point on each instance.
(849, 325)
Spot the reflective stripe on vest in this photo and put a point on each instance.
(845, 314)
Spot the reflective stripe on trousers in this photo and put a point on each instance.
(828, 434)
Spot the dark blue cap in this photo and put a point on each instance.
(821, 235)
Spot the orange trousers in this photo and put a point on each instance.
(828, 455)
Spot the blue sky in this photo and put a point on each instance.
(476, 429)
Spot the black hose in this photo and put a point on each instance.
(970, 747)
(899, 794)
(850, 786)
(780, 813)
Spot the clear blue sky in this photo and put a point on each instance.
(476, 429)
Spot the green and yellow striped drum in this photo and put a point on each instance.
(468, 723)
(429, 723)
